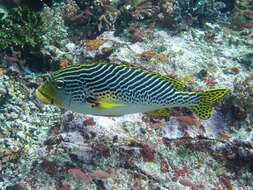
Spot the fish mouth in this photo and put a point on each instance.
(44, 98)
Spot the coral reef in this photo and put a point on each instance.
(45, 147)
(95, 17)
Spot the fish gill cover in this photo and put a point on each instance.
(204, 44)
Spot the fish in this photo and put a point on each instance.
(106, 89)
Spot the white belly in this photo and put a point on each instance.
(115, 111)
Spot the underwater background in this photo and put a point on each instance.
(203, 43)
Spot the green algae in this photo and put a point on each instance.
(22, 28)
(159, 114)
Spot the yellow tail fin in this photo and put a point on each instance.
(209, 98)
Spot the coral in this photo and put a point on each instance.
(64, 63)
(12, 60)
(153, 57)
(147, 55)
(187, 79)
(168, 7)
(241, 106)
(54, 23)
(242, 15)
(94, 16)
(70, 10)
(137, 34)
(147, 153)
(99, 16)
(22, 28)
(55, 58)
(143, 10)
(199, 12)
(159, 59)
(93, 45)
(110, 16)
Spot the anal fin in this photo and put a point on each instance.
(107, 105)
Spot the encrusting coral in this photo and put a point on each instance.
(92, 45)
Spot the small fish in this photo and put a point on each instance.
(113, 90)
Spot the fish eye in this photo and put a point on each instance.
(59, 84)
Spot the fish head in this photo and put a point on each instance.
(51, 92)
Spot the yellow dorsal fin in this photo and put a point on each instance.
(177, 84)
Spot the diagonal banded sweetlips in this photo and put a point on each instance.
(113, 90)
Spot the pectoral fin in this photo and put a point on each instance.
(102, 103)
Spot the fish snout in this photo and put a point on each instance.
(42, 97)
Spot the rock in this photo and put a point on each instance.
(136, 48)
(71, 47)
(12, 116)
(3, 13)
(172, 130)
